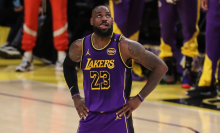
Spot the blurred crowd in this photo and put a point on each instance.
(184, 33)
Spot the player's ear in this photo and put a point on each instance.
(91, 21)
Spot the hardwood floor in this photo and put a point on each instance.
(40, 102)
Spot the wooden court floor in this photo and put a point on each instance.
(40, 102)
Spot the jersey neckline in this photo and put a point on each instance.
(91, 42)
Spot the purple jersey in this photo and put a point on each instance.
(107, 79)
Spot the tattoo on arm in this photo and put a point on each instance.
(75, 51)
(139, 54)
(135, 51)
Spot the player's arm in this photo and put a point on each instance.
(69, 65)
(70, 74)
(134, 50)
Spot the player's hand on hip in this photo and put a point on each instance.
(204, 4)
(130, 106)
(80, 106)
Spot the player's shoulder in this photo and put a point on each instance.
(130, 48)
(126, 42)
(77, 44)
(75, 50)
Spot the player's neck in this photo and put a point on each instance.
(100, 42)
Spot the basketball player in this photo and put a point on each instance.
(127, 15)
(106, 64)
(207, 85)
(60, 33)
(188, 12)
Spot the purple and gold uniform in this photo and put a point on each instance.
(127, 21)
(211, 70)
(188, 12)
(107, 86)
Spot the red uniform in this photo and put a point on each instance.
(60, 25)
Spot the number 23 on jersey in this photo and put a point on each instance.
(106, 80)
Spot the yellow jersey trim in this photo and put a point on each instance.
(120, 53)
(126, 123)
(125, 99)
(124, 86)
(82, 52)
(103, 47)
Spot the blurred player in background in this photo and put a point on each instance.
(60, 33)
(188, 12)
(209, 81)
(127, 15)
(12, 14)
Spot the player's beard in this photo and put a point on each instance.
(102, 33)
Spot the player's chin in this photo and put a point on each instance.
(104, 29)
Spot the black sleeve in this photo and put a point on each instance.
(70, 75)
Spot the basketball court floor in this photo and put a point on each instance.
(40, 102)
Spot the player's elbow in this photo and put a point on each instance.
(163, 68)
(69, 63)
